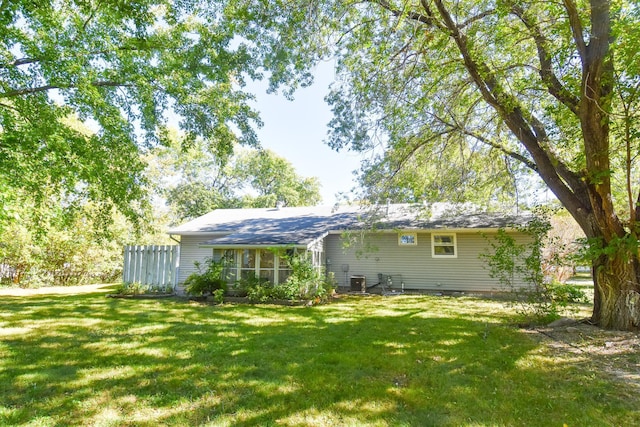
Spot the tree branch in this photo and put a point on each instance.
(554, 86)
(516, 156)
(414, 16)
(27, 61)
(477, 17)
(566, 186)
(576, 27)
(460, 128)
(32, 90)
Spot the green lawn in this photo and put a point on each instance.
(394, 361)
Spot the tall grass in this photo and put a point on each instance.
(405, 360)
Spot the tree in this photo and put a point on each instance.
(193, 180)
(118, 66)
(190, 177)
(50, 245)
(271, 179)
(552, 87)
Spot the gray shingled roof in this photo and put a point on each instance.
(302, 226)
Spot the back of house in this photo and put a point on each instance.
(396, 246)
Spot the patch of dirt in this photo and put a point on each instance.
(615, 352)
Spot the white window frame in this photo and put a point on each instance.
(413, 236)
(238, 253)
(435, 244)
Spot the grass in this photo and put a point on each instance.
(396, 361)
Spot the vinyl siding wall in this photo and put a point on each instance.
(419, 270)
(190, 251)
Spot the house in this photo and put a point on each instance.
(435, 248)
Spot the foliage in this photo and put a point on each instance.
(305, 282)
(89, 86)
(118, 66)
(195, 181)
(249, 283)
(137, 288)
(376, 361)
(218, 296)
(562, 248)
(269, 179)
(210, 277)
(564, 294)
(259, 290)
(48, 246)
(517, 265)
(492, 92)
(130, 288)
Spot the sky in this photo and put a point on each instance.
(296, 130)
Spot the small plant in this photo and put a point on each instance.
(218, 296)
(307, 281)
(159, 289)
(256, 289)
(210, 277)
(564, 294)
(130, 288)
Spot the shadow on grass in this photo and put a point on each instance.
(73, 360)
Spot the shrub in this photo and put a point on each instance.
(210, 277)
(512, 263)
(255, 288)
(218, 296)
(130, 288)
(564, 294)
(304, 283)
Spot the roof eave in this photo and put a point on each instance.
(252, 246)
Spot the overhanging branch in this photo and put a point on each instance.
(554, 86)
(566, 187)
(510, 153)
(576, 27)
(412, 15)
(45, 88)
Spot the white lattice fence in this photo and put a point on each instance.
(151, 265)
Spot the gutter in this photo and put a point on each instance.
(236, 246)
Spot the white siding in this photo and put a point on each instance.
(381, 253)
(190, 251)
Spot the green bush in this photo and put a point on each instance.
(564, 294)
(49, 249)
(255, 288)
(304, 283)
(130, 288)
(513, 263)
(218, 296)
(210, 277)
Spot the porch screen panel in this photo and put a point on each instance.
(247, 263)
(284, 270)
(228, 258)
(267, 265)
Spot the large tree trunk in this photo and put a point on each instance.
(617, 292)
(587, 192)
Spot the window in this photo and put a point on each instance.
(267, 265)
(262, 263)
(284, 270)
(444, 246)
(247, 263)
(228, 257)
(407, 239)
